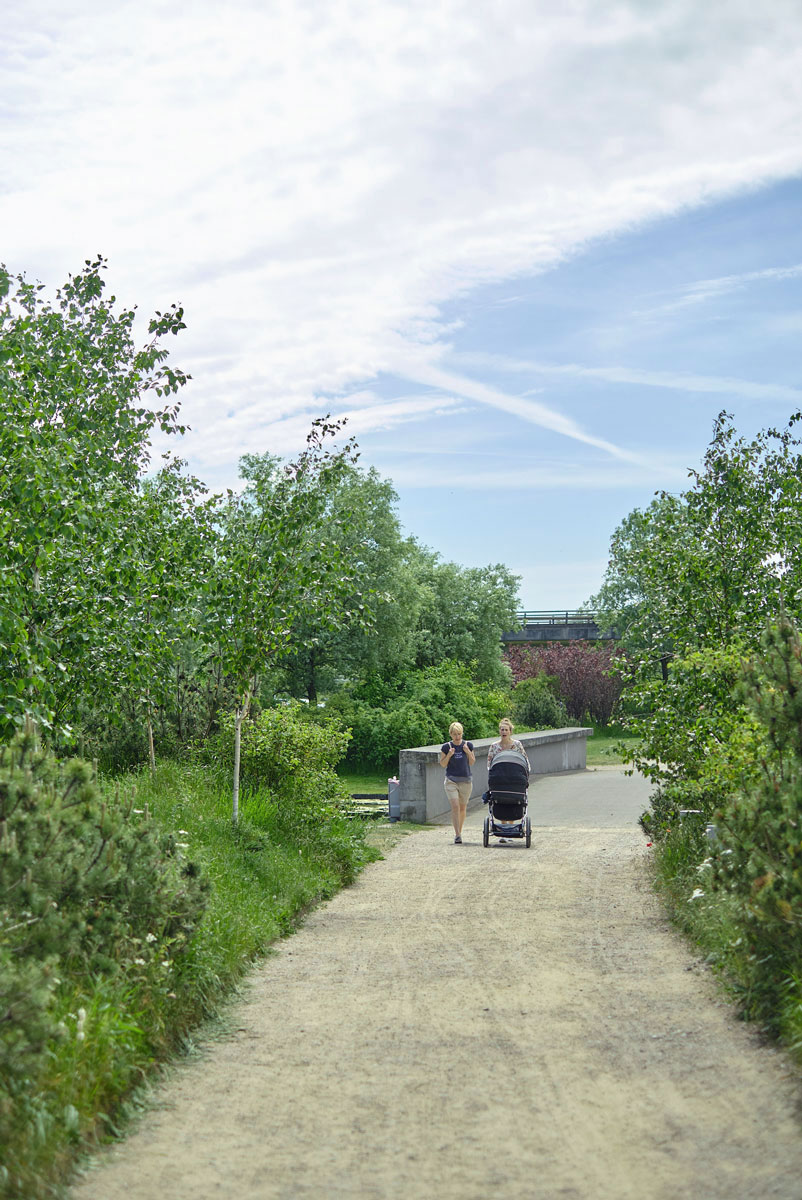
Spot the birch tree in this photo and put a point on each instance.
(278, 559)
(75, 424)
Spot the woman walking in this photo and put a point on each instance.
(506, 742)
(457, 757)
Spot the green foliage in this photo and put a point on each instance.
(697, 585)
(535, 704)
(74, 438)
(740, 895)
(89, 889)
(275, 564)
(415, 711)
(463, 613)
(760, 829)
(286, 754)
(92, 1037)
(710, 565)
(424, 610)
(697, 742)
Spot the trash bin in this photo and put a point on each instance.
(394, 799)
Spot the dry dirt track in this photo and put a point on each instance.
(480, 1024)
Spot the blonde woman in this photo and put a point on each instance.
(457, 757)
(506, 742)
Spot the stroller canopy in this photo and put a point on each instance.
(508, 772)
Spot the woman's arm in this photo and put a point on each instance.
(445, 759)
(469, 754)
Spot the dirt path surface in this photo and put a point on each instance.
(469, 1023)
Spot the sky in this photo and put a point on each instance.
(529, 250)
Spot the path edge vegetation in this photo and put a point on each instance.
(115, 977)
(705, 589)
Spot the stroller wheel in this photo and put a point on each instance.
(486, 831)
(528, 832)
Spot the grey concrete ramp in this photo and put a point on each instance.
(604, 798)
(599, 798)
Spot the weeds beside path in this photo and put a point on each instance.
(466, 1022)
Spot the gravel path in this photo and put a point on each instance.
(467, 1023)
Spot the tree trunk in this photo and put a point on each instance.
(240, 716)
(237, 742)
(151, 747)
(311, 683)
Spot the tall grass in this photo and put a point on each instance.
(264, 874)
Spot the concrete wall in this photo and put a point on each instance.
(423, 797)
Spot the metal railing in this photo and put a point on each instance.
(567, 616)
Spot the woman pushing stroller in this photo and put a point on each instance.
(506, 742)
(508, 770)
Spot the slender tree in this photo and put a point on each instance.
(276, 564)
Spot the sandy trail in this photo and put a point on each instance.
(466, 1023)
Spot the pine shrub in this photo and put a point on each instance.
(89, 889)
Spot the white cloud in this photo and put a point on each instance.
(364, 412)
(315, 182)
(674, 380)
(711, 289)
(533, 412)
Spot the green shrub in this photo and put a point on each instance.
(535, 704)
(288, 754)
(415, 711)
(760, 829)
(90, 889)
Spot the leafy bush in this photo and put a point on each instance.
(698, 743)
(285, 752)
(535, 704)
(588, 675)
(416, 711)
(88, 890)
(760, 866)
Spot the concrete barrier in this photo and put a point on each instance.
(423, 797)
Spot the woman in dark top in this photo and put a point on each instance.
(457, 757)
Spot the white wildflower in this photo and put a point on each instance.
(140, 962)
(182, 845)
(80, 1035)
(150, 937)
(695, 894)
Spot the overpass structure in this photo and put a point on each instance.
(557, 625)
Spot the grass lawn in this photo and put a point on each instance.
(365, 784)
(602, 747)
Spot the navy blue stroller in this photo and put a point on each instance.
(507, 781)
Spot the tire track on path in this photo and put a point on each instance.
(472, 1023)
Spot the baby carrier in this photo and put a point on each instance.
(507, 782)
